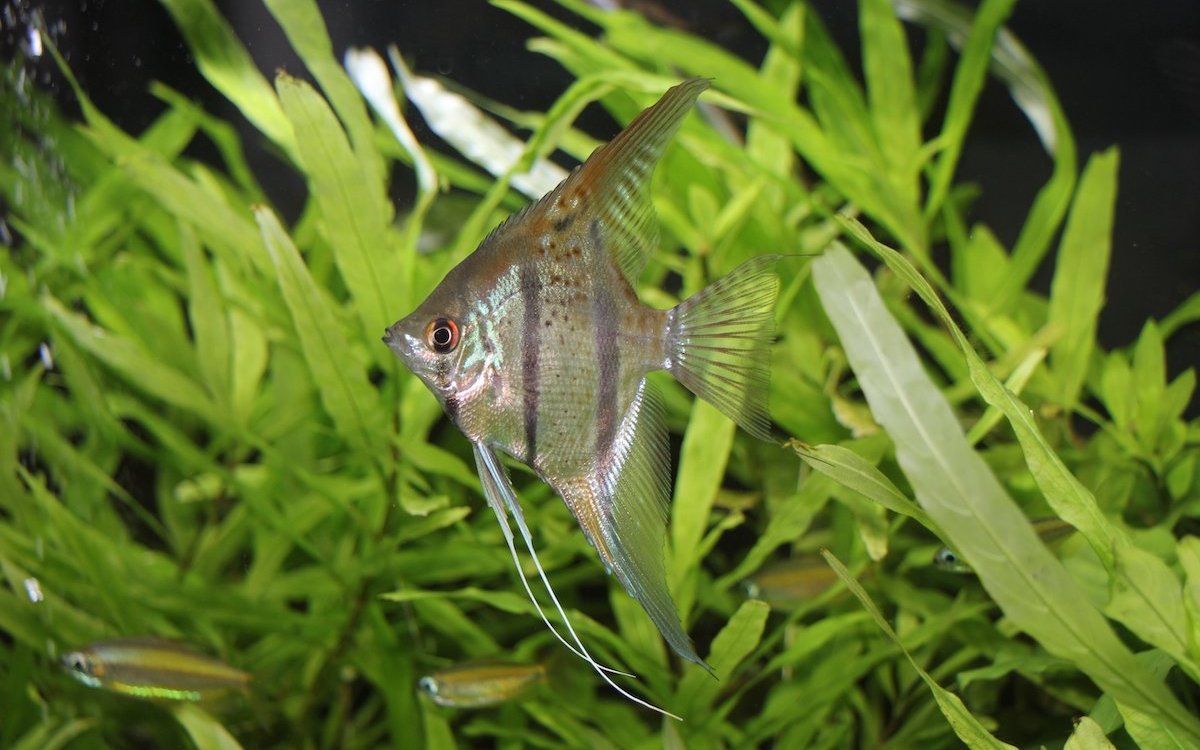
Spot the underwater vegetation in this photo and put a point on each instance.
(210, 463)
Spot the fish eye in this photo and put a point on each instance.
(75, 662)
(428, 684)
(945, 556)
(441, 335)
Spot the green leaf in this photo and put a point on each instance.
(305, 28)
(1186, 314)
(964, 92)
(133, 362)
(1077, 292)
(848, 468)
(1016, 383)
(964, 723)
(788, 523)
(706, 445)
(1149, 383)
(228, 67)
(739, 637)
(207, 316)
(964, 497)
(342, 383)
(1188, 550)
(1087, 736)
(1148, 598)
(49, 736)
(888, 69)
(203, 729)
(352, 207)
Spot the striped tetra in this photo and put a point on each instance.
(538, 347)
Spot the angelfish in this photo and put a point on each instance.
(537, 346)
(152, 668)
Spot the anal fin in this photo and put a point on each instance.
(622, 508)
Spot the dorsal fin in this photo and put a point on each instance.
(613, 186)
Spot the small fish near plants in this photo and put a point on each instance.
(203, 440)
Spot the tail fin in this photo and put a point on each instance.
(719, 343)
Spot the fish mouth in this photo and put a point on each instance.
(394, 338)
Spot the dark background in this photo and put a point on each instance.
(1126, 73)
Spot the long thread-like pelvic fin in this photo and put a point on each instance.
(497, 492)
(496, 481)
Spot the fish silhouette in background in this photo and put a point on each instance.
(152, 668)
(537, 346)
(476, 684)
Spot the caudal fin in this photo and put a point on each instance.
(720, 340)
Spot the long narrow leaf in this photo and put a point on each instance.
(964, 723)
(1077, 293)
(960, 492)
(343, 386)
(353, 206)
(227, 65)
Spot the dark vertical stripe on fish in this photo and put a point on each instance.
(531, 297)
(608, 370)
(452, 407)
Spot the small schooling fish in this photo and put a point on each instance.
(537, 347)
(482, 683)
(152, 668)
(1048, 529)
(789, 583)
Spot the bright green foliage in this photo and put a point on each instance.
(202, 438)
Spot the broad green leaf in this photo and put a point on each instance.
(229, 68)
(979, 266)
(352, 206)
(964, 723)
(1148, 598)
(964, 497)
(1077, 292)
(706, 445)
(739, 637)
(203, 729)
(1088, 736)
(342, 384)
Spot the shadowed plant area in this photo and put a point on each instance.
(213, 471)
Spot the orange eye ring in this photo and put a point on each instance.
(441, 335)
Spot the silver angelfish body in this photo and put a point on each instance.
(538, 347)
